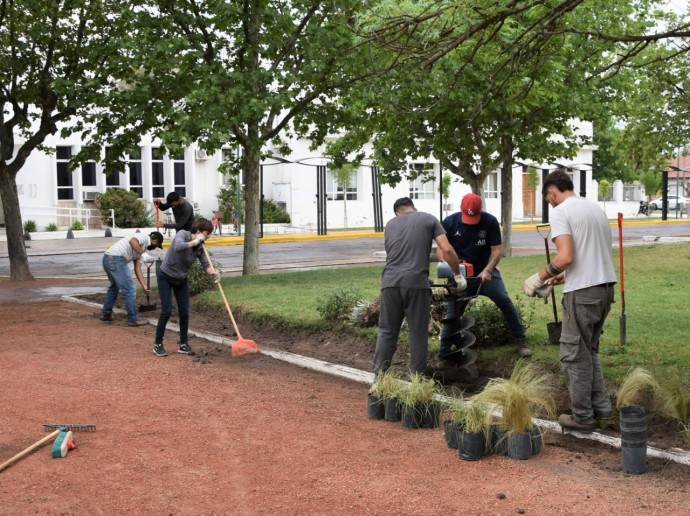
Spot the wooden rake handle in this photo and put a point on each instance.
(227, 306)
(30, 449)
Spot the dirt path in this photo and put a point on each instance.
(211, 435)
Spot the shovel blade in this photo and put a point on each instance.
(554, 330)
(147, 308)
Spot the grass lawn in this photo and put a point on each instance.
(656, 297)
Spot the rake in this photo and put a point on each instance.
(241, 346)
(59, 427)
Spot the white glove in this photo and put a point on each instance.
(216, 276)
(544, 291)
(148, 258)
(199, 239)
(460, 283)
(532, 284)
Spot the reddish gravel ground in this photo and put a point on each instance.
(210, 434)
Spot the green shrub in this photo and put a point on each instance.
(129, 210)
(273, 214)
(51, 227)
(77, 225)
(337, 304)
(490, 327)
(30, 226)
(200, 280)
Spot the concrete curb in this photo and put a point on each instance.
(349, 373)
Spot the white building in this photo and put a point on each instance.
(49, 193)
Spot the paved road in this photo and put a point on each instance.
(80, 258)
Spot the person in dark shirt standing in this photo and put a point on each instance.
(476, 237)
(182, 211)
(405, 290)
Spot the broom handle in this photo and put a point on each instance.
(30, 449)
(234, 324)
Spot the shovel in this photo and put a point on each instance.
(553, 328)
(621, 320)
(148, 307)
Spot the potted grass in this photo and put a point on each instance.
(417, 402)
(454, 421)
(522, 397)
(633, 423)
(376, 404)
(388, 387)
(474, 430)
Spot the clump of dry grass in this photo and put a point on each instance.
(523, 396)
(635, 385)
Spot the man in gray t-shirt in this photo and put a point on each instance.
(405, 290)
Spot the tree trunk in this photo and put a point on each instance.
(507, 195)
(252, 204)
(19, 263)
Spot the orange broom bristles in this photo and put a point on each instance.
(242, 347)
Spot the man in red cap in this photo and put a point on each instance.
(476, 237)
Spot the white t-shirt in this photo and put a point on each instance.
(586, 222)
(124, 248)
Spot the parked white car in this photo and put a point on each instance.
(673, 200)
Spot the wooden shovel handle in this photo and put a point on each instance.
(30, 449)
(227, 306)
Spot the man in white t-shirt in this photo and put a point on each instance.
(115, 264)
(583, 263)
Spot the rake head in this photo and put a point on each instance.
(72, 427)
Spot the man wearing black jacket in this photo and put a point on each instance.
(182, 211)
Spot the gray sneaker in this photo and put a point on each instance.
(138, 322)
(159, 350)
(185, 349)
(108, 318)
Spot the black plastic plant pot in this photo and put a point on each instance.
(450, 429)
(432, 413)
(376, 407)
(633, 439)
(412, 416)
(537, 439)
(471, 445)
(392, 410)
(499, 440)
(519, 445)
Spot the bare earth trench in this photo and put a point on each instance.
(210, 434)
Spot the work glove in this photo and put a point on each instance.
(544, 291)
(532, 284)
(199, 239)
(216, 276)
(460, 284)
(148, 258)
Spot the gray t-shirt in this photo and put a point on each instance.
(179, 258)
(124, 248)
(407, 240)
(589, 228)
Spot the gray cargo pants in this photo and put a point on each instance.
(396, 303)
(584, 314)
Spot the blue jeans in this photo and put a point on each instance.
(166, 290)
(120, 280)
(496, 291)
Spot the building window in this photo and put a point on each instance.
(335, 192)
(179, 175)
(136, 182)
(420, 186)
(65, 188)
(113, 178)
(157, 176)
(491, 185)
(88, 173)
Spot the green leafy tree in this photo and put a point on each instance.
(239, 73)
(343, 174)
(54, 64)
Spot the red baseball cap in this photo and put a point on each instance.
(471, 209)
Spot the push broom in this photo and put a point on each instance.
(241, 346)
